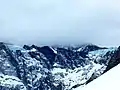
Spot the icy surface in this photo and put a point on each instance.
(100, 53)
(15, 47)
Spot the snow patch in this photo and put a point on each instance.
(77, 76)
(11, 82)
(54, 50)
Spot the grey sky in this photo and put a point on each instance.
(60, 21)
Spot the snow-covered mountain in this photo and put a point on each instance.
(53, 67)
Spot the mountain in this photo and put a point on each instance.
(53, 67)
(108, 81)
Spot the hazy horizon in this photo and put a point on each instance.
(48, 22)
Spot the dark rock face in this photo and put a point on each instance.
(27, 47)
(115, 60)
(69, 58)
(53, 68)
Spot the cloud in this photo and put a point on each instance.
(60, 21)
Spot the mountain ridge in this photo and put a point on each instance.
(52, 68)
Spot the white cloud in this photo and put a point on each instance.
(60, 21)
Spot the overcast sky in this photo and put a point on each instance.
(60, 21)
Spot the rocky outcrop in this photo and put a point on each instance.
(115, 60)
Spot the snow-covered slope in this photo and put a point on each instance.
(108, 81)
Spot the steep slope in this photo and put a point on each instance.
(53, 68)
(108, 81)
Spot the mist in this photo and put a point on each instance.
(60, 22)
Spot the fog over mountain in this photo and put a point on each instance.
(60, 21)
